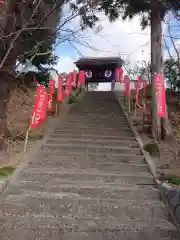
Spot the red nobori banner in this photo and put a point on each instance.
(51, 86)
(119, 75)
(51, 90)
(127, 86)
(138, 87)
(144, 96)
(60, 89)
(40, 107)
(1, 3)
(145, 89)
(161, 95)
(81, 80)
(74, 84)
(68, 85)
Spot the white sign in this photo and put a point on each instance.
(88, 74)
(108, 73)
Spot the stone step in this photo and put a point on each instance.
(86, 190)
(91, 136)
(93, 120)
(95, 116)
(89, 107)
(88, 158)
(86, 127)
(90, 167)
(96, 120)
(102, 131)
(68, 177)
(84, 124)
(96, 113)
(74, 148)
(67, 228)
(98, 109)
(86, 141)
(92, 117)
(73, 205)
(94, 132)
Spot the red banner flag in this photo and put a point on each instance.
(145, 89)
(60, 89)
(119, 75)
(51, 86)
(144, 96)
(127, 86)
(74, 79)
(161, 95)
(1, 3)
(51, 91)
(138, 87)
(40, 107)
(81, 80)
(34, 82)
(68, 85)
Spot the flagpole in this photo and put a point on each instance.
(129, 104)
(135, 109)
(26, 139)
(56, 109)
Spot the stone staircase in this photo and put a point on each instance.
(89, 181)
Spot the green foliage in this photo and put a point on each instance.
(152, 148)
(130, 8)
(6, 171)
(63, 74)
(74, 95)
(38, 39)
(174, 179)
(43, 78)
(27, 78)
(38, 54)
(172, 73)
(87, 16)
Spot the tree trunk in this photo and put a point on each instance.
(159, 126)
(156, 33)
(9, 24)
(4, 99)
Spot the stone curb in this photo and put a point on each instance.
(169, 194)
(171, 197)
(4, 184)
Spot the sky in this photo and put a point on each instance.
(120, 38)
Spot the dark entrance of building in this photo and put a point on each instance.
(99, 70)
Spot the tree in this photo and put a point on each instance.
(29, 30)
(141, 68)
(171, 73)
(26, 33)
(152, 13)
(172, 63)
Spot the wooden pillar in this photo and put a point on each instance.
(113, 85)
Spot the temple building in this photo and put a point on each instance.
(100, 69)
